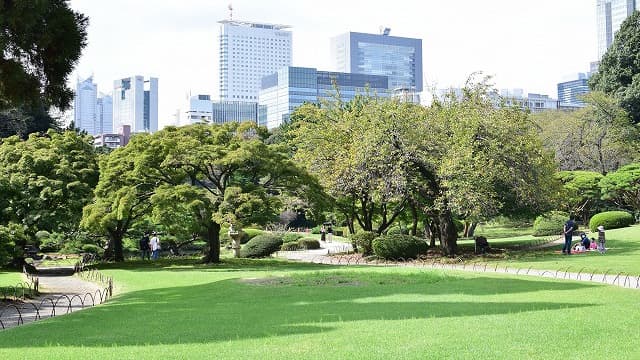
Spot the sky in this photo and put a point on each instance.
(531, 45)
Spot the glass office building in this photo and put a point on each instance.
(398, 58)
(569, 92)
(290, 87)
(610, 15)
(135, 103)
(200, 108)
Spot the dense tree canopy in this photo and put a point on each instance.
(598, 137)
(623, 187)
(40, 43)
(619, 71)
(581, 195)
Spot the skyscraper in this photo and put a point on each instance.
(610, 15)
(135, 103)
(84, 109)
(249, 51)
(398, 58)
(569, 92)
(104, 114)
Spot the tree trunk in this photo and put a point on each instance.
(115, 246)
(434, 232)
(213, 238)
(472, 229)
(465, 231)
(448, 233)
(414, 215)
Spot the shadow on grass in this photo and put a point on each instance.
(309, 303)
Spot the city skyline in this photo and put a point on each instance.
(178, 43)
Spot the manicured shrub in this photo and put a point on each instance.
(251, 233)
(291, 237)
(92, 249)
(399, 246)
(397, 230)
(315, 230)
(48, 245)
(550, 223)
(362, 241)
(290, 246)
(611, 220)
(261, 246)
(309, 243)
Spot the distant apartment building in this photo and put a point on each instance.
(398, 58)
(569, 92)
(249, 51)
(113, 140)
(610, 14)
(285, 90)
(507, 97)
(135, 103)
(92, 114)
(200, 109)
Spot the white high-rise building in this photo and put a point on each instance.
(85, 106)
(249, 51)
(610, 15)
(135, 103)
(104, 114)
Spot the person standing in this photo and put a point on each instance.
(145, 249)
(323, 233)
(569, 228)
(155, 246)
(601, 240)
(329, 233)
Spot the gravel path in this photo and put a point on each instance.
(323, 256)
(59, 295)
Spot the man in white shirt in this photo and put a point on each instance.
(155, 246)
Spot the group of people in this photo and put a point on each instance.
(326, 234)
(150, 247)
(585, 244)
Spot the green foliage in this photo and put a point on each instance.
(315, 230)
(12, 242)
(362, 240)
(619, 71)
(622, 187)
(290, 246)
(598, 137)
(399, 246)
(309, 243)
(261, 246)
(92, 249)
(611, 220)
(40, 43)
(291, 237)
(397, 230)
(251, 233)
(581, 192)
(550, 223)
(459, 225)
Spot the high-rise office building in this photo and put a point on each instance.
(249, 51)
(135, 103)
(104, 114)
(610, 15)
(92, 113)
(398, 58)
(569, 92)
(84, 109)
(283, 91)
(200, 109)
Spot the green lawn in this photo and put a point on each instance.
(10, 278)
(276, 310)
(623, 256)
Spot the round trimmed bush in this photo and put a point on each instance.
(362, 241)
(550, 223)
(290, 246)
(261, 246)
(92, 249)
(611, 220)
(291, 237)
(309, 243)
(399, 246)
(397, 230)
(315, 230)
(251, 233)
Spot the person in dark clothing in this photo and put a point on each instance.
(569, 228)
(585, 240)
(145, 248)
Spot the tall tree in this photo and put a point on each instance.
(622, 187)
(619, 71)
(581, 195)
(40, 43)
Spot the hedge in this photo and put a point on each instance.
(261, 246)
(362, 242)
(399, 246)
(309, 243)
(550, 223)
(611, 220)
(291, 237)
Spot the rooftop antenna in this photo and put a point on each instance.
(230, 11)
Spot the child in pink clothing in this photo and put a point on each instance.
(594, 245)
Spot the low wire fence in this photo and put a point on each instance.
(24, 308)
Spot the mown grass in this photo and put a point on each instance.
(10, 278)
(278, 310)
(622, 256)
